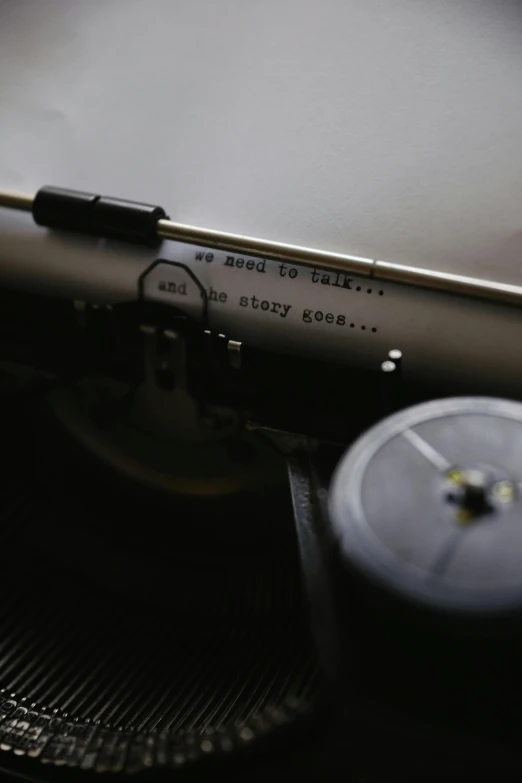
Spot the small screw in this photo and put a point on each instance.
(504, 491)
(456, 477)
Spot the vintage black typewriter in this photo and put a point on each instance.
(261, 507)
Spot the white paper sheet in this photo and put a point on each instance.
(380, 129)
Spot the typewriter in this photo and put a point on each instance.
(261, 506)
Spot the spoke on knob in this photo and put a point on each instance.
(427, 451)
(446, 554)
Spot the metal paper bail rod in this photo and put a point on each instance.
(280, 251)
(11, 200)
(379, 270)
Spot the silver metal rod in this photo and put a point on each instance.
(303, 256)
(450, 283)
(236, 243)
(21, 201)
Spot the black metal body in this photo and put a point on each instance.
(238, 651)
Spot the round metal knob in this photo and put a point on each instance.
(427, 506)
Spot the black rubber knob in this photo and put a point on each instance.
(72, 210)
